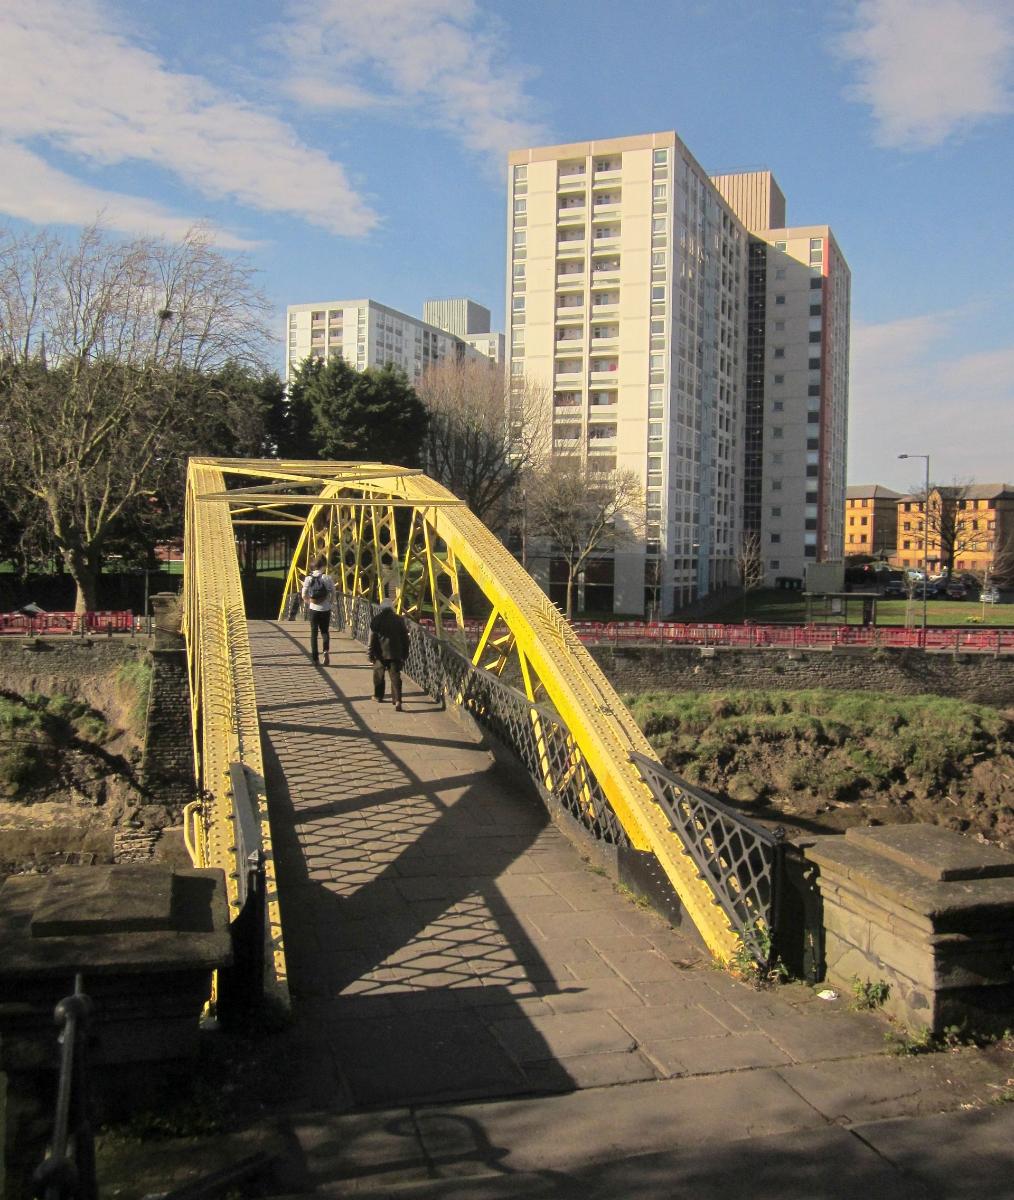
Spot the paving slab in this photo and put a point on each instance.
(956, 1156)
(366, 1148)
(581, 994)
(535, 1039)
(840, 1035)
(712, 1055)
(669, 1022)
(595, 1125)
(591, 1071)
(812, 1164)
(877, 1087)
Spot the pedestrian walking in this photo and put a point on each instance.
(388, 651)
(319, 593)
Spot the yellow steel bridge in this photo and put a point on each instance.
(390, 531)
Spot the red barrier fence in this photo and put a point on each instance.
(30, 624)
(808, 637)
(617, 633)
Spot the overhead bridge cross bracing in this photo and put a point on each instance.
(484, 635)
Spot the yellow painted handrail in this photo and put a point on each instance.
(193, 833)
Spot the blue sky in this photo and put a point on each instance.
(356, 147)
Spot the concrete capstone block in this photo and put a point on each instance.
(924, 910)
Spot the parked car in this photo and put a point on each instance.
(955, 590)
(990, 595)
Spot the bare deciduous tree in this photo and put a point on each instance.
(1000, 572)
(583, 511)
(99, 342)
(750, 565)
(952, 530)
(484, 432)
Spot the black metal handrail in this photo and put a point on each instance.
(741, 859)
(68, 1170)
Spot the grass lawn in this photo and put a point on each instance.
(773, 606)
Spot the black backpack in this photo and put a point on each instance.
(316, 588)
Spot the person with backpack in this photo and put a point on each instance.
(388, 651)
(319, 594)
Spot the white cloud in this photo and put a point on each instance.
(69, 81)
(908, 396)
(438, 61)
(931, 68)
(32, 190)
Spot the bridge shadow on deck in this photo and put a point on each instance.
(410, 872)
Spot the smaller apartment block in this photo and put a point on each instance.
(871, 520)
(369, 334)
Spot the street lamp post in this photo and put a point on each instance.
(925, 538)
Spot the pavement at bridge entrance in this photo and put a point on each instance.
(477, 1012)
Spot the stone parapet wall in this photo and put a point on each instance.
(979, 678)
(925, 911)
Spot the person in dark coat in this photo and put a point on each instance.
(388, 651)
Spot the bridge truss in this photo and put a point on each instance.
(388, 531)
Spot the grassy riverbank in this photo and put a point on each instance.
(822, 761)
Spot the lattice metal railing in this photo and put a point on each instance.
(534, 733)
(741, 859)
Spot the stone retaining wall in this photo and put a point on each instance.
(168, 765)
(980, 678)
(64, 666)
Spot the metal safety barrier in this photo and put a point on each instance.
(68, 1170)
(814, 637)
(33, 624)
(741, 858)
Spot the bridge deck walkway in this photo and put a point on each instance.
(444, 940)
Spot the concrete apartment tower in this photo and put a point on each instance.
(626, 299)
(632, 295)
(469, 321)
(796, 419)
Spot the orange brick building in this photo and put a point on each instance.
(871, 520)
(971, 529)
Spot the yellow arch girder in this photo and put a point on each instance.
(350, 512)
